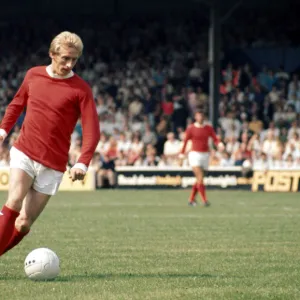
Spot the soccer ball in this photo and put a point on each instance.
(41, 264)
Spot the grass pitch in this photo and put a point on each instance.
(151, 245)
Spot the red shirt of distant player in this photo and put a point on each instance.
(199, 135)
(53, 108)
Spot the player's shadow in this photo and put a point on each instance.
(76, 277)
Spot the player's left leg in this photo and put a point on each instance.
(33, 205)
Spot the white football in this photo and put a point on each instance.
(41, 264)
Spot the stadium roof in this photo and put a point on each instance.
(128, 7)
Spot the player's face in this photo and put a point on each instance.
(199, 117)
(64, 61)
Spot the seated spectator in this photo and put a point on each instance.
(262, 163)
(289, 162)
(171, 148)
(226, 160)
(241, 154)
(121, 159)
(151, 161)
(291, 150)
(272, 127)
(136, 149)
(254, 144)
(293, 129)
(103, 143)
(232, 144)
(112, 148)
(270, 145)
(123, 145)
(277, 161)
(106, 172)
(163, 162)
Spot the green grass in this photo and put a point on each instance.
(151, 245)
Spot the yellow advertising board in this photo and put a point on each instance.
(276, 181)
(88, 184)
(4, 179)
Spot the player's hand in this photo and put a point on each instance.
(3, 135)
(221, 147)
(181, 159)
(76, 174)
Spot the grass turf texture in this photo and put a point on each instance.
(151, 245)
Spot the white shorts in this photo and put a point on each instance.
(46, 180)
(199, 159)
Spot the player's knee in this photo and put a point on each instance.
(23, 224)
(200, 180)
(14, 204)
(15, 201)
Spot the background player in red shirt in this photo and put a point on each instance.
(54, 97)
(199, 133)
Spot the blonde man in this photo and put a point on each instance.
(55, 97)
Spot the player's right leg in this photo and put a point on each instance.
(32, 207)
(199, 174)
(45, 184)
(19, 184)
(194, 161)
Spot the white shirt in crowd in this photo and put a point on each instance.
(172, 147)
(261, 165)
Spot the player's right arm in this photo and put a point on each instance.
(14, 109)
(188, 136)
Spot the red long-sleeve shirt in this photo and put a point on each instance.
(199, 137)
(53, 107)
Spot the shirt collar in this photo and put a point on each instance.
(51, 74)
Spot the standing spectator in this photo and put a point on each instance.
(180, 113)
(149, 108)
(149, 137)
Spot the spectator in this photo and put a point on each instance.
(256, 125)
(149, 137)
(171, 148)
(226, 160)
(262, 163)
(106, 172)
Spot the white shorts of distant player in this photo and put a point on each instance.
(199, 159)
(46, 180)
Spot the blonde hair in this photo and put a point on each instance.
(68, 39)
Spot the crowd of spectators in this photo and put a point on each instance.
(147, 81)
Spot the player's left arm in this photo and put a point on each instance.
(90, 135)
(218, 143)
